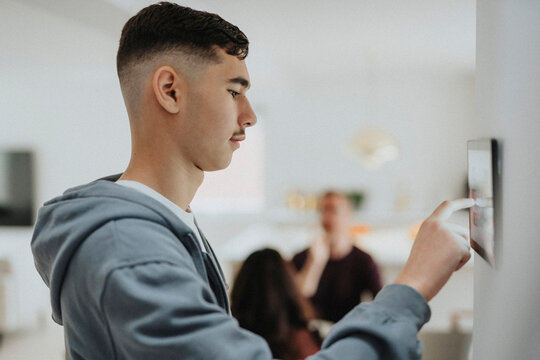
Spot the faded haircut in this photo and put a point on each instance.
(166, 27)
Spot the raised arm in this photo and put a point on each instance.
(308, 277)
(387, 328)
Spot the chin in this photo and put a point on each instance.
(217, 166)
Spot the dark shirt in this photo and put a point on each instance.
(342, 283)
(303, 344)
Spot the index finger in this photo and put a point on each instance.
(447, 208)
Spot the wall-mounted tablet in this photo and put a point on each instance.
(482, 156)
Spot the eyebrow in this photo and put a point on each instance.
(240, 80)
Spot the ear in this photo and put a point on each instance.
(166, 88)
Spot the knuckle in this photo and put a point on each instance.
(435, 225)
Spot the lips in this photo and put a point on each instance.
(236, 140)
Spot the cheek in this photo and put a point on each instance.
(218, 108)
(214, 117)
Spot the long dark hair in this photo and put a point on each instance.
(265, 300)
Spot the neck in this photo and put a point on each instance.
(340, 245)
(172, 177)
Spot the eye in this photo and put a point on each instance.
(233, 93)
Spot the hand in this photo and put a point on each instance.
(319, 251)
(309, 276)
(440, 249)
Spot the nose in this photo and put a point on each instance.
(247, 116)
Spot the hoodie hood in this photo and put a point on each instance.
(64, 223)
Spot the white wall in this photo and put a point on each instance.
(428, 111)
(507, 298)
(58, 96)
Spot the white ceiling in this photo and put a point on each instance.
(311, 36)
(304, 40)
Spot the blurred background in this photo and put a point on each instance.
(374, 98)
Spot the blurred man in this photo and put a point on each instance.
(333, 273)
(131, 275)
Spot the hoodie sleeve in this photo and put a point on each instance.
(386, 328)
(160, 310)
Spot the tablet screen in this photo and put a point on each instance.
(481, 154)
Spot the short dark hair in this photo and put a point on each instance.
(166, 26)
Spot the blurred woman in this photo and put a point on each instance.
(265, 300)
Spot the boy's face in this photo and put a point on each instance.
(216, 112)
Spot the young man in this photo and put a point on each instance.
(334, 273)
(131, 275)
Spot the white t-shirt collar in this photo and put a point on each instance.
(186, 217)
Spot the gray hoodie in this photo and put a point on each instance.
(129, 281)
